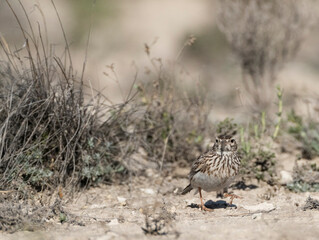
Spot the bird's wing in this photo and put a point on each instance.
(200, 165)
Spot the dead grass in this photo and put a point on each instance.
(57, 131)
(311, 204)
(52, 132)
(30, 215)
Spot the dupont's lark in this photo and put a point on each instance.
(216, 169)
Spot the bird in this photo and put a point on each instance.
(216, 169)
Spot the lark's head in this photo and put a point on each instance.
(225, 144)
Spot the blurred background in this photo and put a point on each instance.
(120, 30)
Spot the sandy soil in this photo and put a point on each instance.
(118, 212)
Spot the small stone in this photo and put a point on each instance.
(96, 206)
(114, 222)
(173, 209)
(148, 191)
(285, 177)
(149, 172)
(261, 207)
(130, 129)
(122, 200)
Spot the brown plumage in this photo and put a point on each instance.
(216, 169)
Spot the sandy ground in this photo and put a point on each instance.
(118, 212)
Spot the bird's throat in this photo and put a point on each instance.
(224, 153)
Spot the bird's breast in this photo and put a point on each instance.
(224, 166)
(209, 182)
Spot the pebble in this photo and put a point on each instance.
(173, 209)
(150, 172)
(148, 191)
(285, 177)
(114, 222)
(94, 206)
(260, 207)
(122, 200)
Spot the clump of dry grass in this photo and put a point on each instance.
(159, 221)
(53, 133)
(29, 215)
(306, 132)
(305, 178)
(258, 160)
(311, 204)
(171, 124)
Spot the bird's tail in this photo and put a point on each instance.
(187, 189)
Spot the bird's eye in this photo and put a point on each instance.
(217, 141)
(232, 141)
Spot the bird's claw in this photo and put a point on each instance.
(232, 196)
(204, 208)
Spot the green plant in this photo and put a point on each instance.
(279, 113)
(305, 132)
(256, 161)
(303, 187)
(227, 126)
(305, 179)
(245, 144)
(259, 164)
(171, 125)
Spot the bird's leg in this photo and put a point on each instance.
(202, 206)
(232, 196)
(220, 194)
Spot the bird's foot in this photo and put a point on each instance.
(232, 196)
(204, 208)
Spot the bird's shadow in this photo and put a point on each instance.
(241, 185)
(214, 205)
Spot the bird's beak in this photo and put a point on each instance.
(222, 148)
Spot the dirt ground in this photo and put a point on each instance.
(119, 212)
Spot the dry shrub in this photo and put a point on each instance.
(170, 124)
(305, 178)
(311, 204)
(306, 132)
(53, 133)
(159, 221)
(29, 215)
(264, 35)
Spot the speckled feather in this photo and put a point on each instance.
(210, 171)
